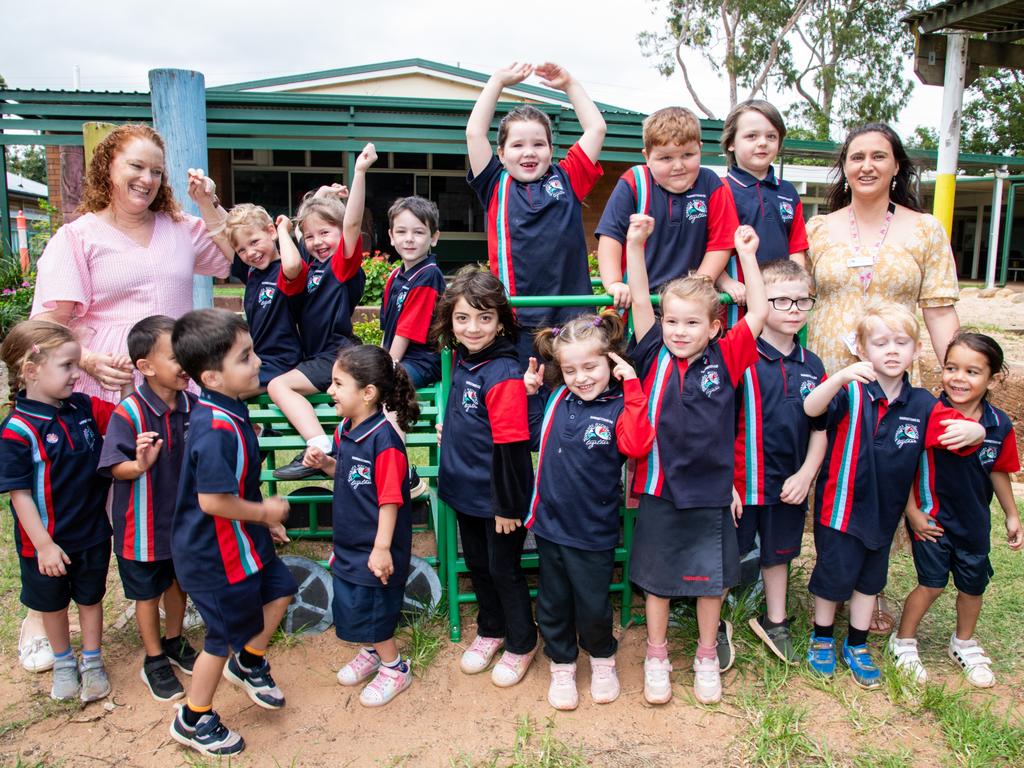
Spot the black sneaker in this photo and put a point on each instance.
(726, 652)
(210, 736)
(777, 637)
(159, 678)
(180, 653)
(256, 682)
(296, 470)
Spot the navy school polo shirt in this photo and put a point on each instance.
(957, 490)
(577, 491)
(221, 456)
(772, 429)
(693, 410)
(535, 239)
(872, 457)
(372, 470)
(53, 451)
(486, 406)
(142, 508)
(773, 208)
(686, 225)
(333, 290)
(272, 303)
(410, 296)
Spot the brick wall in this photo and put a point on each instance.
(53, 176)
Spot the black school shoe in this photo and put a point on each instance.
(726, 652)
(210, 736)
(159, 678)
(296, 470)
(180, 653)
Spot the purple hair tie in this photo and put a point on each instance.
(555, 331)
(596, 321)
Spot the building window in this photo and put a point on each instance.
(448, 162)
(290, 157)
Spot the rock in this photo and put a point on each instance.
(966, 293)
(987, 293)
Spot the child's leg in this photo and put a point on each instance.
(174, 611)
(862, 608)
(968, 608)
(288, 392)
(776, 582)
(656, 609)
(58, 631)
(556, 609)
(387, 651)
(91, 619)
(147, 617)
(917, 605)
(505, 551)
(206, 676)
(709, 612)
(824, 612)
(273, 612)
(490, 616)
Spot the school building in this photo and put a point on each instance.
(272, 140)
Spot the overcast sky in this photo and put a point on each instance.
(115, 43)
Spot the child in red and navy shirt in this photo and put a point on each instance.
(878, 427)
(143, 452)
(535, 238)
(50, 445)
(372, 516)
(685, 543)
(778, 447)
(694, 215)
(950, 522)
(413, 289)
(223, 531)
(590, 425)
(486, 470)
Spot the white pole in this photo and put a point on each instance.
(949, 128)
(76, 78)
(976, 258)
(993, 233)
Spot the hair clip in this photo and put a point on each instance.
(555, 331)
(35, 349)
(596, 322)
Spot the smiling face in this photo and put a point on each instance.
(686, 326)
(240, 370)
(320, 236)
(256, 246)
(350, 400)
(966, 377)
(161, 367)
(474, 328)
(52, 379)
(891, 351)
(526, 153)
(411, 238)
(136, 173)
(870, 165)
(756, 144)
(674, 166)
(585, 368)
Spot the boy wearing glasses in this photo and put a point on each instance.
(778, 447)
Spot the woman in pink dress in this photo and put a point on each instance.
(131, 254)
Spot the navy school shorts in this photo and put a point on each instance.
(844, 565)
(85, 581)
(365, 614)
(145, 580)
(780, 527)
(935, 560)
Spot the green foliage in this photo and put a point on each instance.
(28, 161)
(993, 117)
(923, 137)
(376, 268)
(532, 749)
(16, 292)
(368, 330)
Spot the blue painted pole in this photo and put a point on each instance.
(179, 115)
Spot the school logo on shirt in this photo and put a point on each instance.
(266, 295)
(90, 436)
(710, 381)
(358, 475)
(52, 439)
(470, 400)
(986, 454)
(786, 210)
(315, 278)
(401, 299)
(597, 434)
(554, 188)
(696, 208)
(806, 387)
(906, 434)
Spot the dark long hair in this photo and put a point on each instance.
(372, 365)
(481, 290)
(907, 178)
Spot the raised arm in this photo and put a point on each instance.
(291, 259)
(203, 192)
(640, 228)
(757, 299)
(816, 403)
(478, 142)
(353, 224)
(593, 124)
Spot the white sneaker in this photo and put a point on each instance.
(34, 651)
(657, 680)
(904, 651)
(604, 682)
(707, 681)
(562, 693)
(511, 668)
(971, 657)
(478, 656)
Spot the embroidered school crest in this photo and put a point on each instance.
(906, 434)
(266, 295)
(315, 278)
(986, 454)
(470, 400)
(52, 439)
(90, 436)
(400, 300)
(359, 475)
(696, 209)
(554, 188)
(786, 210)
(806, 387)
(597, 434)
(710, 382)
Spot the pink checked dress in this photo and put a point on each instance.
(115, 282)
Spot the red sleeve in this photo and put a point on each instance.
(633, 431)
(739, 349)
(101, 412)
(583, 172)
(506, 406)
(390, 471)
(387, 288)
(798, 230)
(722, 220)
(337, 438)
(345, 268)
(417, 313)
(933, 432)
(296, 285)
(1007, 460)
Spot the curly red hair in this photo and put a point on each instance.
(96, 195)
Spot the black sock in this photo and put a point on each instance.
(769, 624)
(856, 636)
(172, 640)
(824, 630)
(190, 716)
(150, 659)
(249, 660)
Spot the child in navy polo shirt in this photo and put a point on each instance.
(50, 445)
(332, 234)
(372, 522)
(778, 447)
(878, 427)
(591, 424)
(413, 289)
(143, 452)
(751, 139)
(685, 541)
(535, 238)
(223, 531)
(486, 470)
(950, 522)
(694, 215)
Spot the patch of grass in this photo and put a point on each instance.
(775, 735)
(977, 735)
(533, 748)
(872, 757)
(20, 715)
(424, 635)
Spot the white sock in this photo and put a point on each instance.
(962, 643)
(323, 442)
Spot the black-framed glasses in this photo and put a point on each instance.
(784, 303)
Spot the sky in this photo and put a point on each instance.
(115, 43)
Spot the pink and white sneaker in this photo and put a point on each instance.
(562, 693)
(478, 656)
(657, 680)
(511, 668)
(389, 682)
(604, 681)
(360, 668)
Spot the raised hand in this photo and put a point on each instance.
(553, 76)
(746, 240)
(366, 158)
(533, 378)
(622, 369)
(862, 372)
(284, 225)
(513, 74)
(640, 228)
(147, 448)
(200, 186)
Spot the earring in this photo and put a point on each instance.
(846, 186)
(893, 186)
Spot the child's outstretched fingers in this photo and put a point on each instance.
(622, 369)
(553, 76)
(514, 73)
(533, 377)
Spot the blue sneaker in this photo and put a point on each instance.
(210, 736)
(821, 655)
(862, 667)
(256, 682)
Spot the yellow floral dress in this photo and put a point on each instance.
(919, 272)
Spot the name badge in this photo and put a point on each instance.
(860, 261)
(850, 341)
